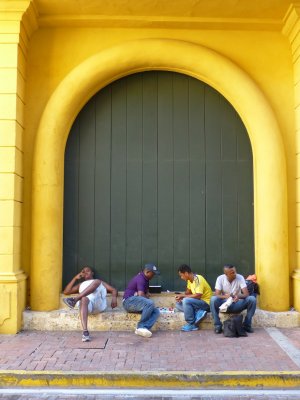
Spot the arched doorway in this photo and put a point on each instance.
(93, 74)
(158, 167)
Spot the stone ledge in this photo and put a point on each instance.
(119, 320)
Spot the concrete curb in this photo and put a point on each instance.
(135, 379)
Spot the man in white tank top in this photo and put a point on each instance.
(91, 297)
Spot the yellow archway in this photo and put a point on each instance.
(270, 186)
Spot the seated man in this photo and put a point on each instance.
(233, 285)
(92, 297)
(195, 302)
(135, 300)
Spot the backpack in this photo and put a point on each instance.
(252, 287)
(233, 327)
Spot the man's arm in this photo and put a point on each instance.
(235, 297)
(221, 295)
(114, 294)
(189, 294)
(143, 294)
(71, 287)
(244, 294)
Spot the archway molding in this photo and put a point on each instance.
(269, 164)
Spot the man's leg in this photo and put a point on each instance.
(84, 311)
(139, 304)
(251, 307)
(179, 306)
(191, 306)
(150, 315)
(249, 304)
(71, 301)
(215, 303)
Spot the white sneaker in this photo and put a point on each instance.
(143, 332)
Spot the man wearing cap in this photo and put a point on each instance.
(233, 285)
(135, 300)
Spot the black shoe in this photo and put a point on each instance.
(218, 329)
(248, 329)
(70, 302)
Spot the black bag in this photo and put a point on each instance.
(233, 327)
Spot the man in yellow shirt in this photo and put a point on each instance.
(196, 299)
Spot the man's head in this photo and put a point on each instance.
(150, 270)
(230, 272)
(87, 273)
(184, 271)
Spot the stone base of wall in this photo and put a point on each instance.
(119, 320)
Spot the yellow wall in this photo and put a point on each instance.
(58, 51)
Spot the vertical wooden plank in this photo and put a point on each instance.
(228, 131)
(86, 193)
(149, 178)
(229, 184)
(181, 170)
(103, 183)
(70, 246)
(118, 183)
(197, 175)
(165, 180)
(134, 175)
(213, 185)
(245, 202)
(229, 212)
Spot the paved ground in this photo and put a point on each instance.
(201, 351)
(267, 359)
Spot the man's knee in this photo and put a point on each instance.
(84, 300)
(186, 300)
(149, 304)
(214, 300)
(251, 300)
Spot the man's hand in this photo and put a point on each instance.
(114, 302)
(179, 297)
(79, 276)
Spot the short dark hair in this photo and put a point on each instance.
(184, 268)
(229, 266)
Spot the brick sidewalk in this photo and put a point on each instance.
(201, 351)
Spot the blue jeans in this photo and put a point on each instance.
(249, 304)
(190, 307)
(139, 304)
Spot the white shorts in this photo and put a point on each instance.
(97, 300)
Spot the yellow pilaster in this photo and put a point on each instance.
(292, 31)
(14, 36)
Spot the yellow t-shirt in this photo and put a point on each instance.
(200, 285)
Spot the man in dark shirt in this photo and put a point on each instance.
(135, 300)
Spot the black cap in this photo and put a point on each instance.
(152, 268)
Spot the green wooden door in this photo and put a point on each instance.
(158, 168)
